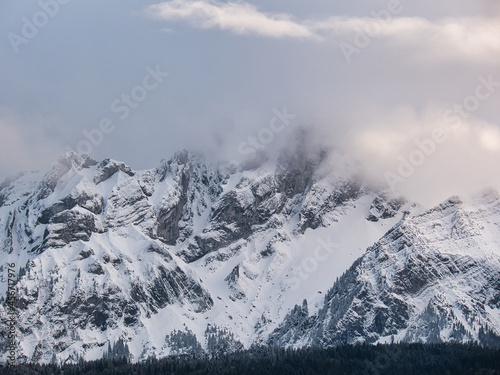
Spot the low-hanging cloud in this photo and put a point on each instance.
(259, 56)
(23, 148)
(403, 151)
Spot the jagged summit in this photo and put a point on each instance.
(71, 159)
(208, 256)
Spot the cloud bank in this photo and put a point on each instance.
(233, 63)
(463, 37)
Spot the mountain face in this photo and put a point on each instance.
(433, 277)
(194, 257)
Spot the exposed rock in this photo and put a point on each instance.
(416, 263)
(381, 208)
(114, 253)
(68, 226)
(107, 168)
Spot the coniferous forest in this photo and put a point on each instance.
(404, 359)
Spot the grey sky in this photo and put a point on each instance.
(231, 64)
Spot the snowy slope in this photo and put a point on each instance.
(435, 277)
(192, 256)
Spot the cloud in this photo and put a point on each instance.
(24, 147)
(240, 18)
(468, 38)
(461, 164)
(489, 137)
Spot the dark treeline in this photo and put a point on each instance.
(404, 359)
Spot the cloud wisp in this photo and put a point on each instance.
(465, 38)
(240, 18)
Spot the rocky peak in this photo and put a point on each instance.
(76, 161)
(107, 168)
(109, 253)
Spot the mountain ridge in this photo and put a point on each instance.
(196, 252)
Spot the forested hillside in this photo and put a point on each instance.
(405, 359)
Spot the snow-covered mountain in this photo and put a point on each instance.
(194, 256)
(434, 277)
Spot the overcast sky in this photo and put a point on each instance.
(377, 77)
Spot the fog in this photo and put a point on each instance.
(137, 82)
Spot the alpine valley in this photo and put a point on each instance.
(197, 257)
